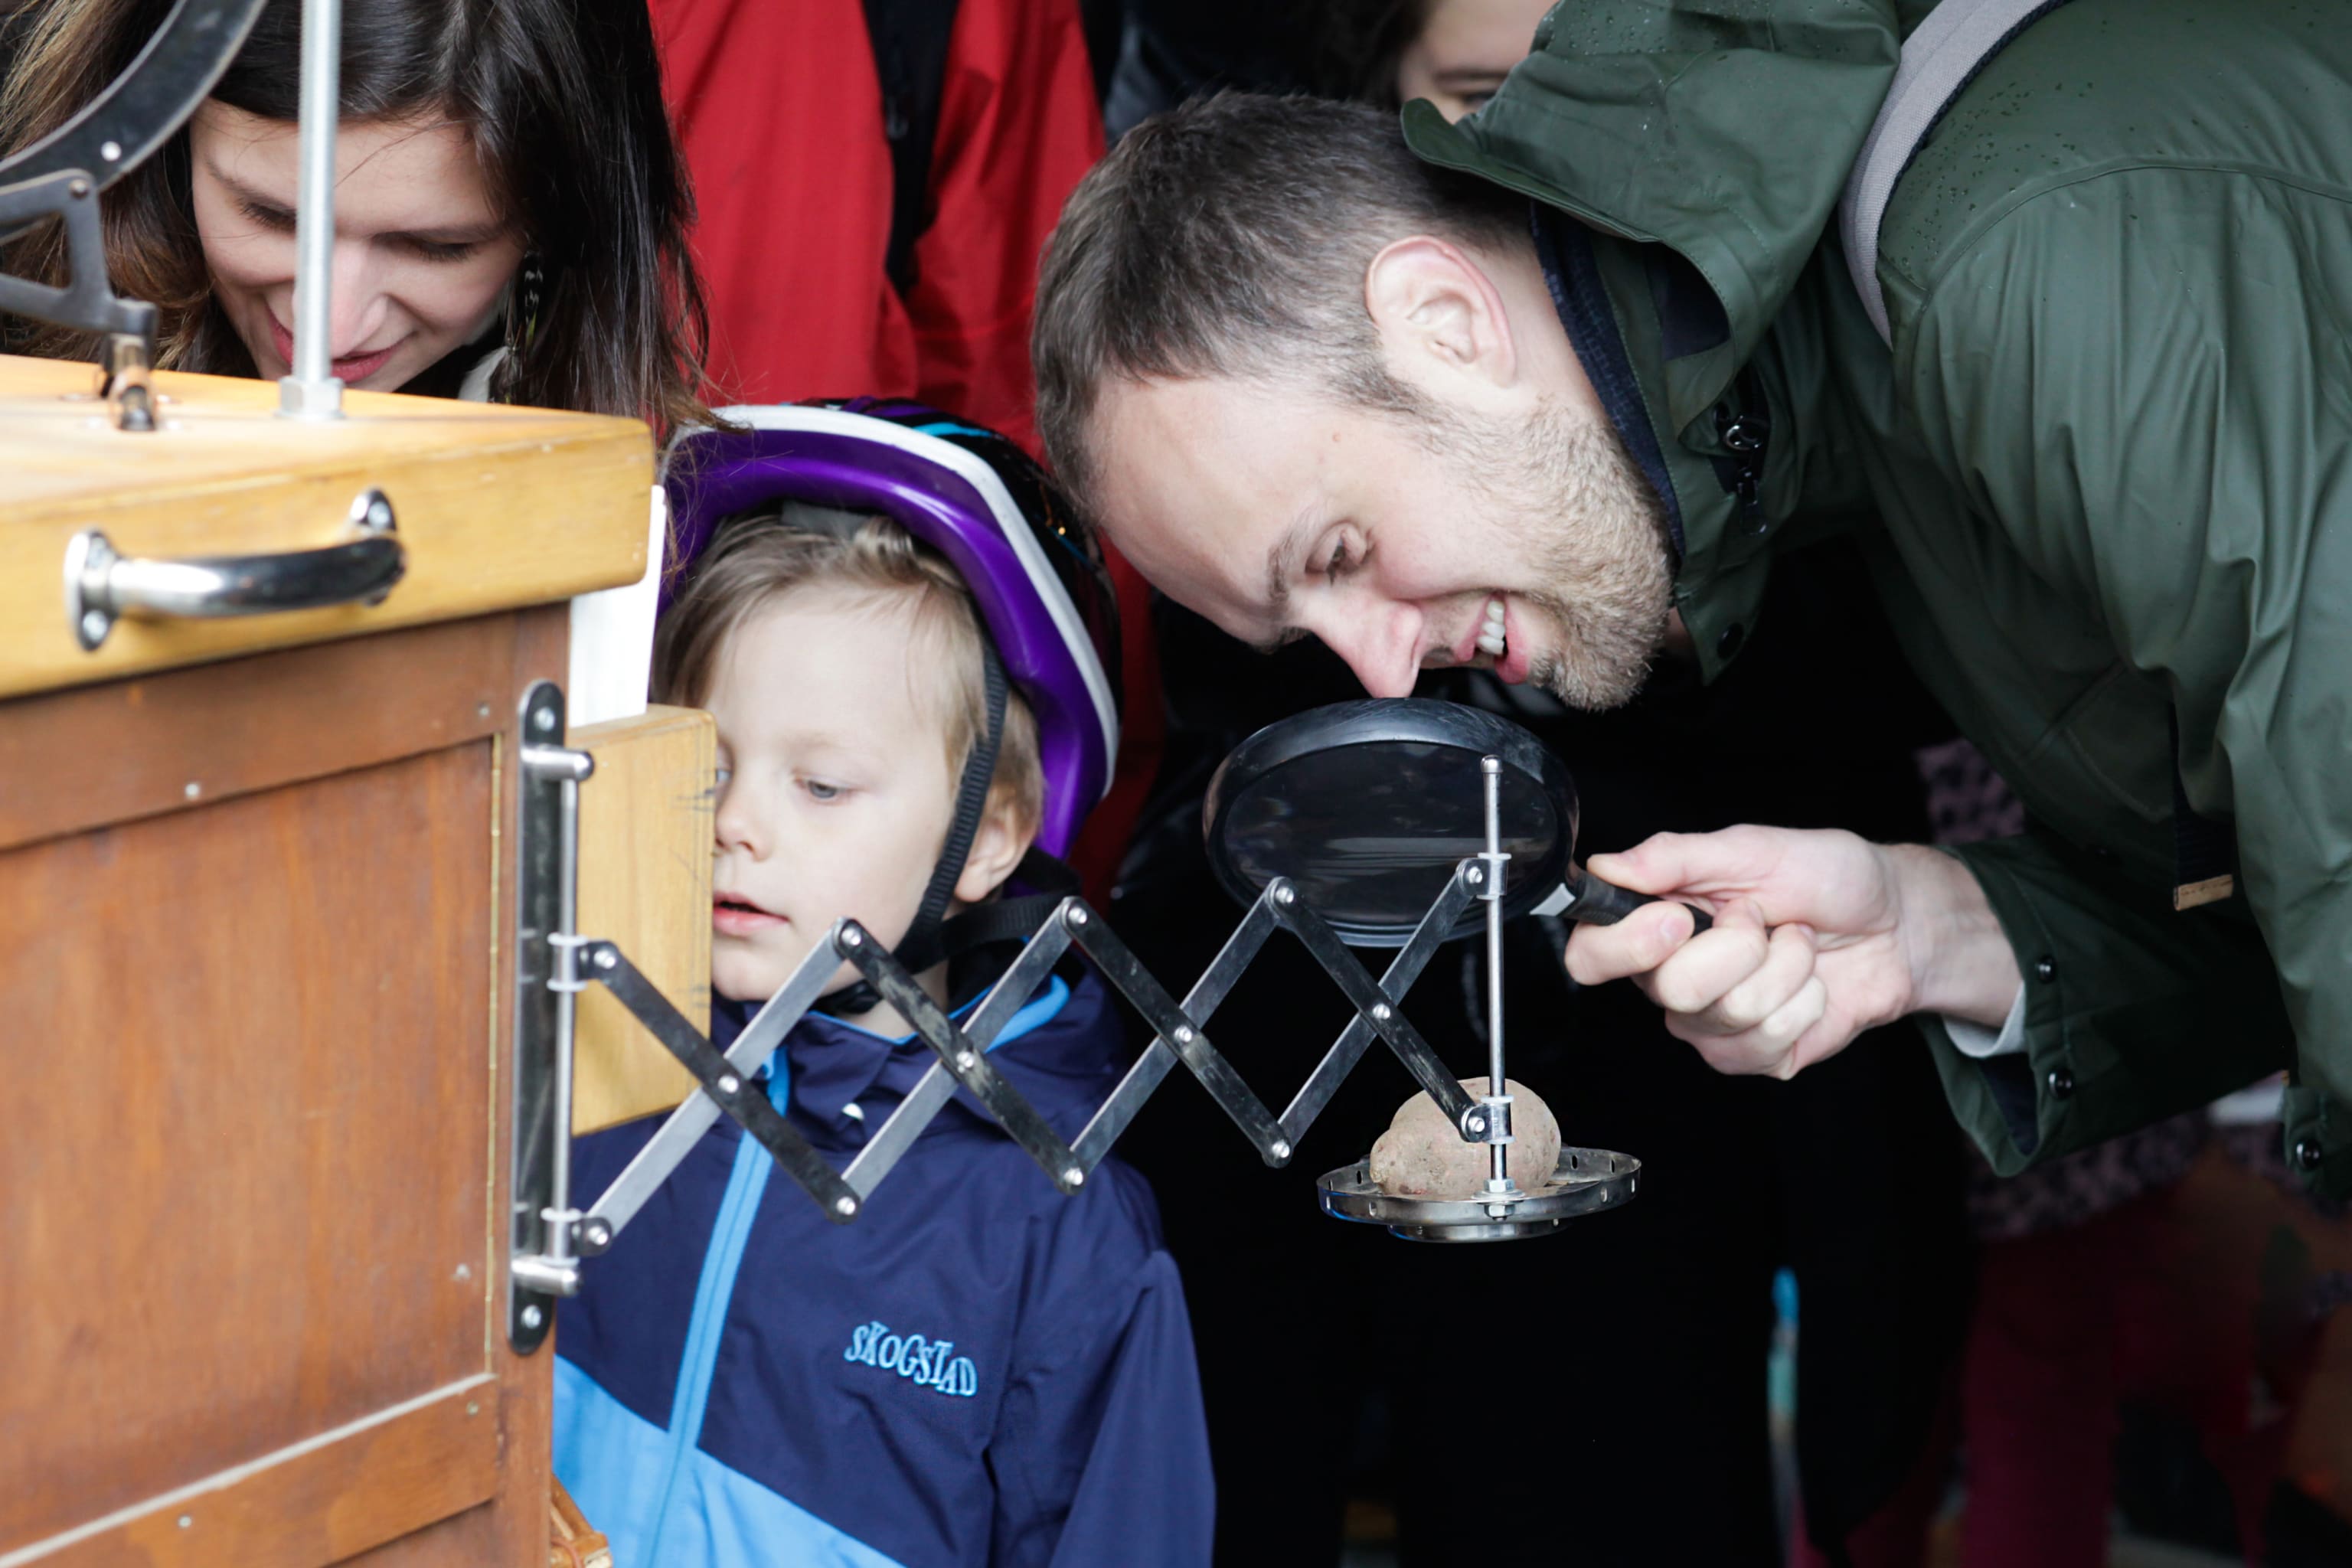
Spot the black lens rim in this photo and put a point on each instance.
(1390, 721)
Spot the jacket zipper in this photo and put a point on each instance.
(731, 1233)
(747, 1182)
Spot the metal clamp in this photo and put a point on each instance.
(543, 1256)
(1488, 1120)
(101, 583)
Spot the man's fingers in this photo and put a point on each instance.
(1712, 963)
(1670, 862)
(1787, 1025)
(1653, 866)
(1772, 1046)
(1786, 965)
(1635, 945)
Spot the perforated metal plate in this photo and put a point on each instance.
(1586, 1181)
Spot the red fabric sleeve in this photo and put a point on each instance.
(778, 110)
(1018, 128)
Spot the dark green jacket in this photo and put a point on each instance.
(2105, 472)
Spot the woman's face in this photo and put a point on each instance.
(1465, 49)
(421, 250)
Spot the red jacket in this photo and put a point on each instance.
(778, 107)
(779, 110)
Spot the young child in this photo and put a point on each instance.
(977, 1370)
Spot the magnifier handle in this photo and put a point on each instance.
(1599, 903)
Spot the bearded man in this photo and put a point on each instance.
(1548, 391)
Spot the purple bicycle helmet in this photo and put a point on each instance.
(978, 499)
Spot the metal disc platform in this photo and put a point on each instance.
(1585, 1181)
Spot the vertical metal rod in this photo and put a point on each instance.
(567, 986)
(1492, 767)
(312, 392)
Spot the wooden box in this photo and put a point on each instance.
(256, 994)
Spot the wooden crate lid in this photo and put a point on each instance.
(497, 507)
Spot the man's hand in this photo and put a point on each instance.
(1817, 936)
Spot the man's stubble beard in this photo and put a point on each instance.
(1563, 482)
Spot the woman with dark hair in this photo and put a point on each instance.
(509, 210)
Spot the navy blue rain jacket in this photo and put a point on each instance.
(976, 1371)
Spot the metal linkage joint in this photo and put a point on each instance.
(729, 1088)
(1488, 1120)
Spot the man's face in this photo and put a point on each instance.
(1525, 544)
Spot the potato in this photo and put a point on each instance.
(1423, 1155)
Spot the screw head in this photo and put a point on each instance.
(845, 1206)
(544, 719)
(532, 1317)
(77, 188)
(1183, 1035)
(93, 625)
(1380, 1010)
(473, 1408)
(1074, 1177)
(1286, 896)
(110, 151)
(728, 1083)
(1077, 917)
(187, 1520)
(1475, 876)
(1478, 1124)
(965, 1059)
(192, 789)
(606, 958)
(481, 709)
(853, 938)
(1281, 1150)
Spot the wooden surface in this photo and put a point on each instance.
(325, 1501)
(130, 749)
(645, 883)
(574, 1541)
(497, 507)
(252, 1201)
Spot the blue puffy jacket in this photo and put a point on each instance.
(976, 1371)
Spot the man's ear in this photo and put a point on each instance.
(1439, 314)
(1005, 833)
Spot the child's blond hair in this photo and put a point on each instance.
(759, 558)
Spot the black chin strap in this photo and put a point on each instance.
(922, 947)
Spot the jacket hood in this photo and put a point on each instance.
(1722, 129)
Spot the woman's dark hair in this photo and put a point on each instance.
(561, 102)
(1361, 45)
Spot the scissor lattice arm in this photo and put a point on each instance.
(1179, 1035)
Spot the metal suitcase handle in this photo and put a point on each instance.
(103, 584)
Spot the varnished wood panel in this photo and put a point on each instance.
(497, 507)
(645, 883)
(242, 1201)
(510, 1531)
(323, 1501)
(185, 739)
